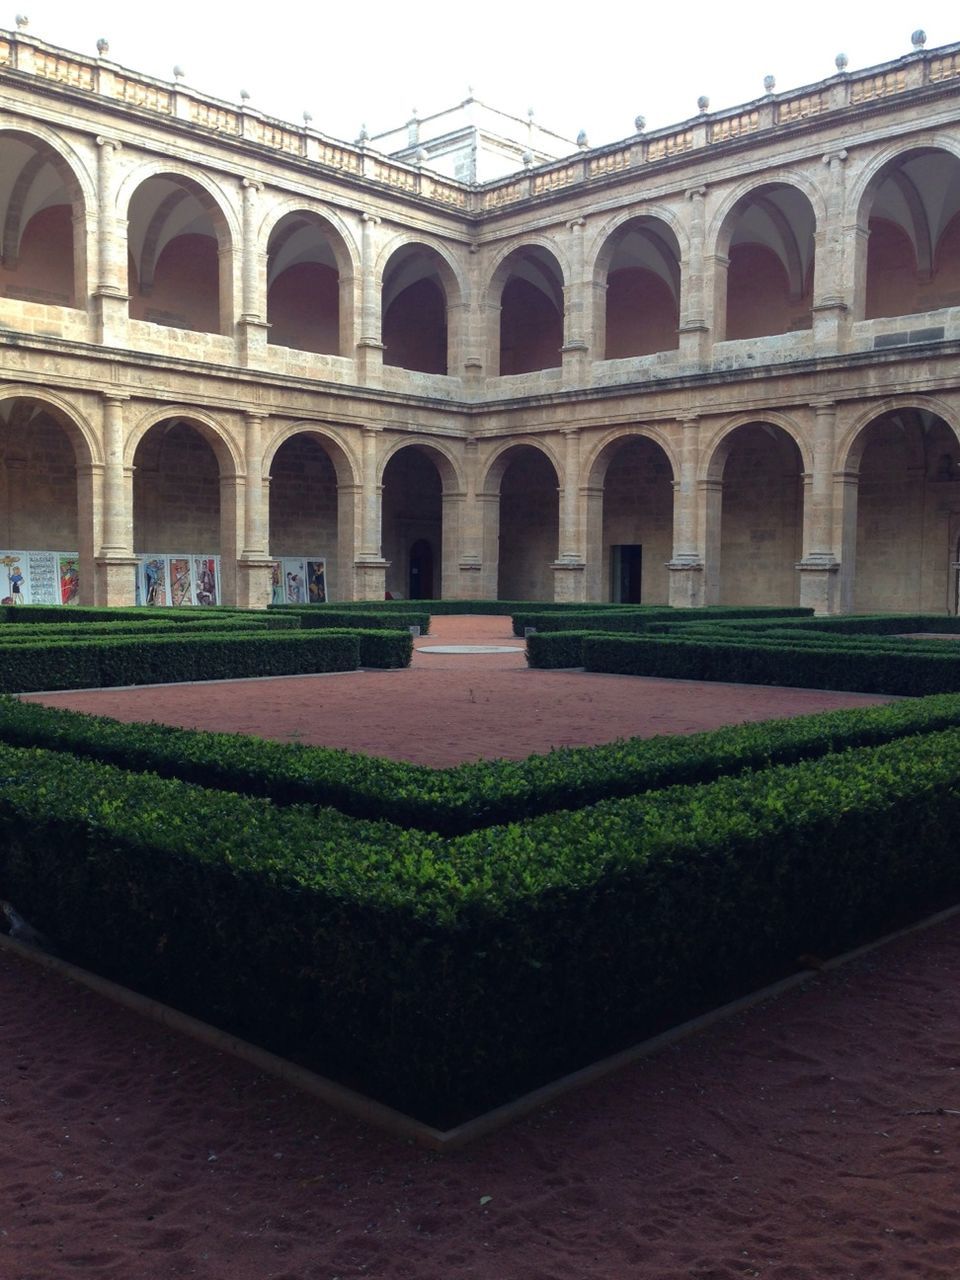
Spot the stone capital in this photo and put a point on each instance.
(109, 142)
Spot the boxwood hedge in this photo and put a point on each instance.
(446, 976)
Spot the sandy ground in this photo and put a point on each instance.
(800, 1141)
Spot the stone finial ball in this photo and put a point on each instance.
(841, 61)
(582, 139)
(703, 102)
(769, 83)
(919, 38)
(22, 21)
(640, 123)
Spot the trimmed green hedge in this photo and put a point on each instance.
(750, 661)
(163, 659)
(469, 796)
(328, 618)
(444, 977)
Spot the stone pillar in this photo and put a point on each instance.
(591, 499)
(470, 562)
(695, 319)
(90, 526)
(687, 578)
(111, 297)
(231, 535)
(489, 505)
(575, 352)
(370, 567)
(819, 566)
(569, 576)
(254, 572)
(252, 327)
(709, 518)
(846, 487)
(116, 563)
(370, 341)
(831, 307)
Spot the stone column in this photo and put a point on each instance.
(111, 296)
(569, 577)
(470, 562)
(370, 341)
(709, 517)
(694, 317)
(575, 351)
(831, 305)
(687, 579)
(252, 327)
(370, 567)
(254, 565)
(846, 487)
(116, 563)
(819, 567)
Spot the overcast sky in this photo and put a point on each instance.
(592, 66)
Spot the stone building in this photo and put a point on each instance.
(711, 363)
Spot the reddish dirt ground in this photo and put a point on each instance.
(799, 1141)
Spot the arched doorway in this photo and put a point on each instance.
(760, 470)
(640, 266)
(45, 555)
(529, 522)
(908, 514)
(412, 527)
(529, 286)
(637, 525)
(415, 310)
(310, 531)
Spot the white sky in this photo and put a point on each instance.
(582, 65)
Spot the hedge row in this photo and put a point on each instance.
(469, 796)
(444, 977)
(749, 661)
(107, 613)
(101, 663)
(643, 617)
(313, 616)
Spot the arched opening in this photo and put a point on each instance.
(176, 516)
(41, 210)
(175, 236)
(529, 525)
(303, 285)
(531, 311)
(306, 519)
(761, 516)
(637, 521)
(912, 211)
(908, 514)
(770, 245)
(40, 535)
(412, 529)
(415, 310)
(642, 265)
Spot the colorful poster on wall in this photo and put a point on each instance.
(205, 574)
(317, 581)
(294, 581)
(180, 585)
(154, 570)
(43, 572)
(276, 583)
(69, 567)
(34, 577)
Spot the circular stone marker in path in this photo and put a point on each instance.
(470, 648)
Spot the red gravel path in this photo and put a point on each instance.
(447, 708)
(799, 1141)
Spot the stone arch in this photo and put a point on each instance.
(638, 268)
(343, 242)
(422, 295)
(715, 456)
(50, 465)
(850, 446)
(221, 441)
(314, 486)
(181, 235)
(519, 497)
(908, 217)
(421, 486)
(752, 483)
(44, 200)
(525, 302)
(496, 464)
(631, 475)
(309, 282)
(346, 463)
(763, 248)
(902, 516)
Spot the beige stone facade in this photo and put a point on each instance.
(714, 363)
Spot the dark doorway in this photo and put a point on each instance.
(626, 562)
(421, 570)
